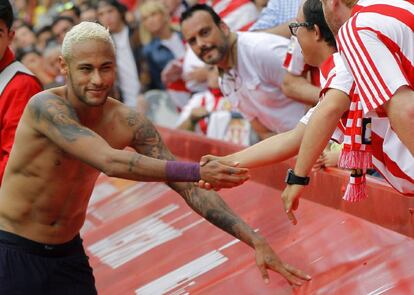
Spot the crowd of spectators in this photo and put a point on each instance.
(159, 74)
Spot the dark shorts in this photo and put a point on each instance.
(28, 267)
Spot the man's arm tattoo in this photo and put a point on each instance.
(59, 115)
(133, 162)
(146, 139)
(209, 205)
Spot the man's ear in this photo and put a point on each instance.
(10, 36)
(63, 66)
(225, 28)
(318, 35)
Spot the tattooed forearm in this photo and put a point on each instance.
(59, 115)
(134, 162)
(215, 210)
(146, 139)
(222, 220)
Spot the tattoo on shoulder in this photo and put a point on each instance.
(145, 137)
(58, 114)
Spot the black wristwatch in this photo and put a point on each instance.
(291, 178)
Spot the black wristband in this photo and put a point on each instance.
(292, 178)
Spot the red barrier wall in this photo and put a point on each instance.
(142, 238)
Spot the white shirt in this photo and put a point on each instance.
(254, 85)
(127, 71)
(238, 15)
(205, 99)
(294, 62)
(334, 75)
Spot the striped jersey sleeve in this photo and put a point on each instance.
(376, 44)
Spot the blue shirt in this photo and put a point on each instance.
(276, 13)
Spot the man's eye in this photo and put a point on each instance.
(204, 32)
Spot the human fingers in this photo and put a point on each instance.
(291, 216)
(287, 203)
(263, 270)
(297, 272)
(207, 158)
(295, 204)
(235, 179)
(284, 272)
(230, 163)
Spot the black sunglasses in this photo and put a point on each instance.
(293, 27)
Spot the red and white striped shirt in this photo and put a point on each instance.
(376, 43)
(239, 15)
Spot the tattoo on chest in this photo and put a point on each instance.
(59, 115)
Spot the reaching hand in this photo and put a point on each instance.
(222, 174)
(290, 199)
(198, 74)
(172, 72)
(330, 158)
(266, 258)
(198, 113)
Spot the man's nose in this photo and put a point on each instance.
(200, 43)
(96, 77)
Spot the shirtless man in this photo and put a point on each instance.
(66, 137)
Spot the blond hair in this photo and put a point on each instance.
(152, 6)
(82, 32)
(148, 8)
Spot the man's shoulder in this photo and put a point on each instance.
(26, 79)
(23, 86)
(259, 41)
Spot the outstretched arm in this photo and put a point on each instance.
(146, 140)
(56, 119)
(318, 132)
(274, 149)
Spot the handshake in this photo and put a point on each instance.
(219, 172)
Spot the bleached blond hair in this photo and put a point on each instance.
(83, 32)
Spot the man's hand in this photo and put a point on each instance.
(172, 72)
(203, 161)
(266, 258)
(198, 74)
(198, 113)
(223, 174)
(290, 199)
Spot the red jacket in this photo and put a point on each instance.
(12, 103)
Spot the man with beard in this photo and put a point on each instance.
(251, 69)
(66, 136)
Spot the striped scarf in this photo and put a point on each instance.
(356, 153)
